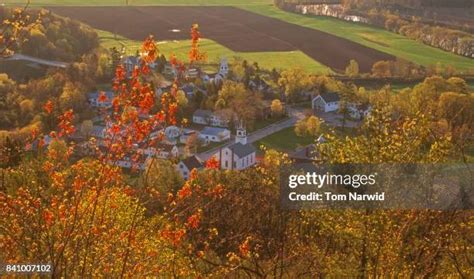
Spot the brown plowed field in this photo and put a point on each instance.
(238, 30)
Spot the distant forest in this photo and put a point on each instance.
(405, 3)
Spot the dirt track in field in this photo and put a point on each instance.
(236, 29)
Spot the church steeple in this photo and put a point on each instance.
(241, 136)
(223, 67)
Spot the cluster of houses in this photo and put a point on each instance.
(331, 102)
(239, 155)
(214, 128)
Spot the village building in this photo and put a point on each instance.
(305, 154)
(259, 85)
(98, 131)
(133, 61)
(215, 134)
(185, 166)
(359, 112)
(94, 99)
(136, 162)
(238, 156)
(187, 133)
(170, 70)
(130, 62)
(188, 90)
(308, 153)
(161, 151)
(207, 117)
(326, 102)
(222, 73)
(192, 73)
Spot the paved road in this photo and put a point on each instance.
(295, 115)
(49, 63)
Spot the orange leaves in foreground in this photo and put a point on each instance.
(65, 124)
(102, 97)
(194, 220)
(195, 54)
(48, 107)
(212, 163)
(244, 248)
(87, 207)
(149, 50)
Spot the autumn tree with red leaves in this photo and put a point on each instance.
(83, 216)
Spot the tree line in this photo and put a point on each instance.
(376, 13)
(89, 218)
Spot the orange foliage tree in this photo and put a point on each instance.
(82, 216)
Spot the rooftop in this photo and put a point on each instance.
(202, 113)
(213, 131)
(242, 150)
(95, 95)
(192, 163)
(329, 97)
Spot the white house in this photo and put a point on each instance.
(201, 116)
(359, 112)
(215, 134)
(238, 156)
(326, 102)
(137, 162)
(207, 117)
(185, 166)
(162, 151)
(101, 99)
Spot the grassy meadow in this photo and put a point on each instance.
(215, 52)
(372, 37)
(285, 140)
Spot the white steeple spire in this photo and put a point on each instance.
(241, 136)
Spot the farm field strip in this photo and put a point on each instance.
(215, 52)
(236, 29)
(379, 39)
(140, 2)
(376, 38)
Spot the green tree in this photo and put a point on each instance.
(352, 70)
(238, 102)
(72, 97)
(295, 82)
(313, 126)
(276, 108)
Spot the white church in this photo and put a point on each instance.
(238, 156)
(221, 74)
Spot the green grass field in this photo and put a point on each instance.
(215, 52)
(285, 140)
(372, 37)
